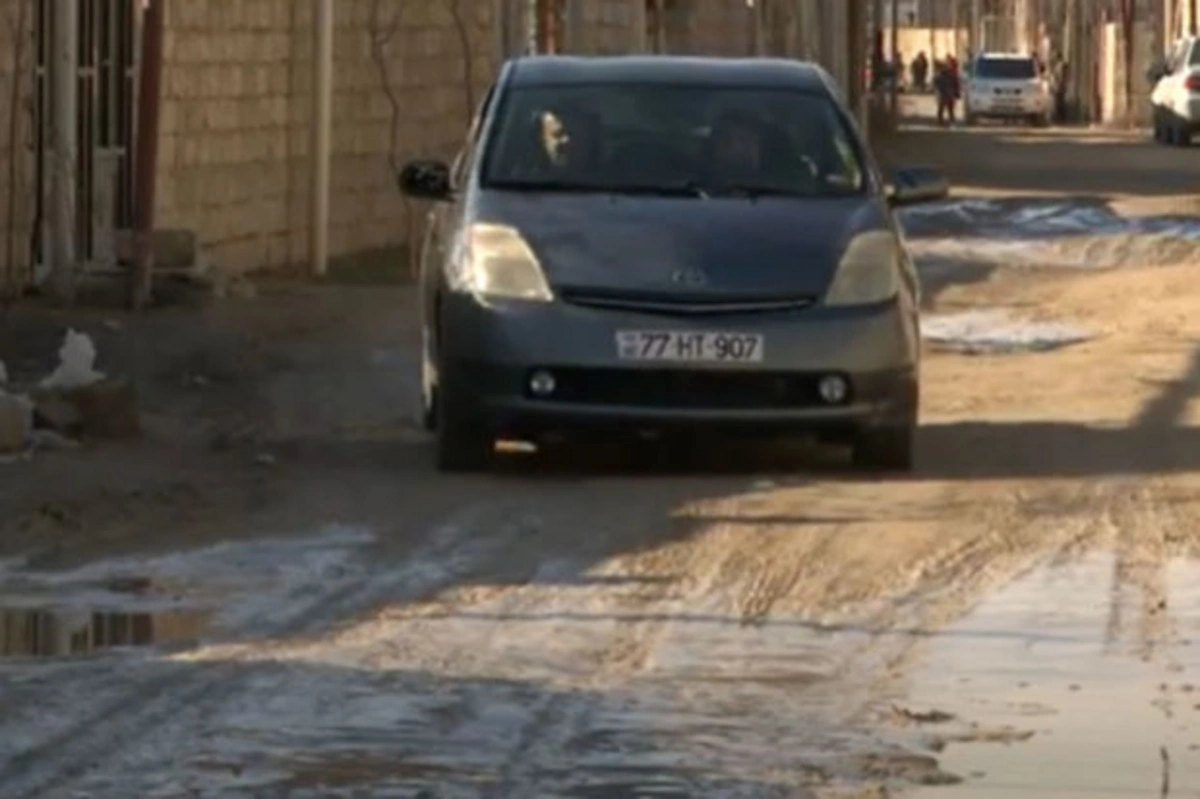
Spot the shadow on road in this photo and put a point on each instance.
(1083, 162)
(324, 729)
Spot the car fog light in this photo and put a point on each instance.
(833, 389)
(541, 383)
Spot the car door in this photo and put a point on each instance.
(444, 218)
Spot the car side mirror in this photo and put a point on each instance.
(426, 180)
(917, 184)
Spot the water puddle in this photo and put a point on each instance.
(1077, 681)
(997, 332)
(43, 632)
(1057, 233)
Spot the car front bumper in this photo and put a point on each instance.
(995, 106)
(488, 354)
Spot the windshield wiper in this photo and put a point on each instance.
(754, 191)
(670, 190)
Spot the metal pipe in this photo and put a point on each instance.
(64, 206)
(322, 100)
(146, 157)
(637, 29)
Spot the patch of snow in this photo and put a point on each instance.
(1046, 233)
(76, 363)
(996, 331)
(249, 581)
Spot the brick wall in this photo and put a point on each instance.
(237, 104)
(16, 201)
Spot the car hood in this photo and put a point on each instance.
(763, 247)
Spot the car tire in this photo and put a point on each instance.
(463, 444)
(885, 449)
(1183, 135)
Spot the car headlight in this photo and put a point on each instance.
(495, 262)
(869, 271)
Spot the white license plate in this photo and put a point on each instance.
(689, 346)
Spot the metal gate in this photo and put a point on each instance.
(105, 76)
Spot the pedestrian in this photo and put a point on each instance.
(1059, 74)
(945, 85)
(898, 71)
(920, 71)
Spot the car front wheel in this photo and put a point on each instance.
(886, 449)
(464, 443)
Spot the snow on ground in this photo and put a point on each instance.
(997, 331)
(1066, 233)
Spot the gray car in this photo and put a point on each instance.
(656, 244)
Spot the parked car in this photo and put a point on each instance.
(658, 244)
(1007, 86)
(1175, 97)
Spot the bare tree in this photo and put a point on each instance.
(468, 57)
(382, 28)
(16, 23)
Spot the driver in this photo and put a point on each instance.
(567, 140)
(738, 141)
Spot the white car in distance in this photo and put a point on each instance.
(1175, 98)
(1007, 86)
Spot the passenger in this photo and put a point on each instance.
(737, 148)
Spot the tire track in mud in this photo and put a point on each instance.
(750, 584)
(167, 702)
(564, 718)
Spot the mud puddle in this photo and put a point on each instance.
(63, 632)
(1076, 681)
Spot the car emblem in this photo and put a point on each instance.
(689, 277)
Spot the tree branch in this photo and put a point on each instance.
(382, 31)
(464, 41)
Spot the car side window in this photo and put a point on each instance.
(1194, 54)
(1176, 59)
(462, 163)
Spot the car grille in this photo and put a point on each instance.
(684, 304)
(677, 388)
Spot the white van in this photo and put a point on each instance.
(1006, 86)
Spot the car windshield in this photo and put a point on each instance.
(1006, 69)
(674, 140)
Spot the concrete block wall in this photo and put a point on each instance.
(606, 27)
(16, 141)
(712, 27)
(237, 106)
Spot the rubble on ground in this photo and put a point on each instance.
(75, 401)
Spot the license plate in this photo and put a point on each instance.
(689, 346)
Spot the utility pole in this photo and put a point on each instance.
(146, 156)
(855, 51)
(894, 47)
(974, 43)
(64, 221)
(321, 134)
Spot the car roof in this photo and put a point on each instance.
(542, 70)
(1006, 56)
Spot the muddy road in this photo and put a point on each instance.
(274, 595)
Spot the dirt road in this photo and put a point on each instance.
(331, 618)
